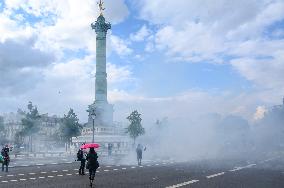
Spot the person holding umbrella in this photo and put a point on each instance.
(92, 158)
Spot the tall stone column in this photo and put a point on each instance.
(103, 110)
(101, 28)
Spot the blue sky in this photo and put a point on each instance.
(159, 52)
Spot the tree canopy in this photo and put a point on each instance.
(70, 126)
(31, 121)
(135, 128)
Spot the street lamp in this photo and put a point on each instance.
(93, 115)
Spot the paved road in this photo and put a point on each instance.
(261, 173)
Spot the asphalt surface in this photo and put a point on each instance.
(264, 172)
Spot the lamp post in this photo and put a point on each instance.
(93, 115)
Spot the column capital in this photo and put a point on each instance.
(101, 25)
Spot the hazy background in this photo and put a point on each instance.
(194, 63)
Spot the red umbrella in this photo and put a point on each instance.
(91, 145)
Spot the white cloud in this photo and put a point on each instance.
(141, 34)
(120, 46)
(260, 112)
(61, 25)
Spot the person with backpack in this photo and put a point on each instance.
(6, 158)
(92, 164)
(81, 157)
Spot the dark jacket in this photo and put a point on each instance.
(92, 159)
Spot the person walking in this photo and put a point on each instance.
(92, 164)
(82, 158)
(6, 158)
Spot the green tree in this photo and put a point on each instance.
(70, 127)
(30, 123)
(2, 131)
(2, 128)
(135, 128)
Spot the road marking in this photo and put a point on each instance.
(183, 184)
(123, 168)
(133, 167)
(10, 175)
(65, 170)
(50, 176)
(76, 169)
(39, 164)
(54, 163)
(31, 173)
(41, 177)
(54, 171)
(115, 169)
(68, 174)
(32, 178)
(13, 180)
(108, 166)
(21, 174)
(43, 172)
(59, 175)
(236, 169)
(141, 166)
(215, 175)
(23, 179)
(4, 181)
(106, 170)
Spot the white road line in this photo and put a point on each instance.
(133, 167)
(215, 175)
(236, 169)
(54, 171)
(43, 172)
(41, 177)
(32, 178)
(141, 166)
(21, 174)
(10, 175)
(23, 179)
(183, 184)
(54, 163)
(13, 180)
(108, 166)
(31, 173)
(123, 168)
(68, 174)
(106, 170)
(76, 169)
(115, 169)
(59, 175)
(50, 176)
(65, 170)
(4, 181)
